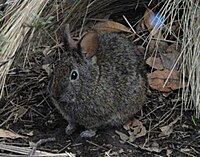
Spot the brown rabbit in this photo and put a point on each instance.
(105, 87)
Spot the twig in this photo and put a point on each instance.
(42, 141)
(90, 142)
(25, 151)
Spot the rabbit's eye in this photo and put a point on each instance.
(74, 75)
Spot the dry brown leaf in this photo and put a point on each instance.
(158, 78)
(175, 29)
(89, 44)
(155, 63)
(168, 129)
(173, 48)
(22, 111)
(154, 147)
(170, 57)
(9, 134)
(156, 45)
(140, 27)
(140, 50)
(154, 32)
(157, 34)
(122, 136)
(111, 26)
(147, 19)
(152, 47)
(135, 129)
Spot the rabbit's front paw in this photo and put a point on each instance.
(71, 127)
(88, 133)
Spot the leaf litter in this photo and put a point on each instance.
(134, 128)
(111, 26)
(9, 134)
(155, 63)
(168, 129)
(161, 79)
(165, 80)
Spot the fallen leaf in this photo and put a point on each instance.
(135, 129)
(157, 34)
(168, 129)
(22, 111)
(155, 63)
(153, 21)
(9, 134)
(158, 78)
(174, 28)
(147, 19)
(132, 136)
(89, 44)
(140, 50)
(154, 147)
(111, 26)
(122, 136)
(174, 48)
(170, 57)
(140, 27)
(158, 46)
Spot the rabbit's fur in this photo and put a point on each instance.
(107, 88)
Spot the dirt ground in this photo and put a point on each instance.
(170, 130)
(45, 122)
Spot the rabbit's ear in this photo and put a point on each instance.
(89, 44)
(69, 43)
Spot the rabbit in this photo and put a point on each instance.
(104, 87)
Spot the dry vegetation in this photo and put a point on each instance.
(30, 37)
(188, 17)
(23, 18)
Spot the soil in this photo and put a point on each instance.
(45, 122)
(27, 110)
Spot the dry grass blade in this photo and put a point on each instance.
(14, 30)
(23, 13)
(26, 151)
(187, 13)
(191, 53)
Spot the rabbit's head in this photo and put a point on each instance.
(76, 72)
